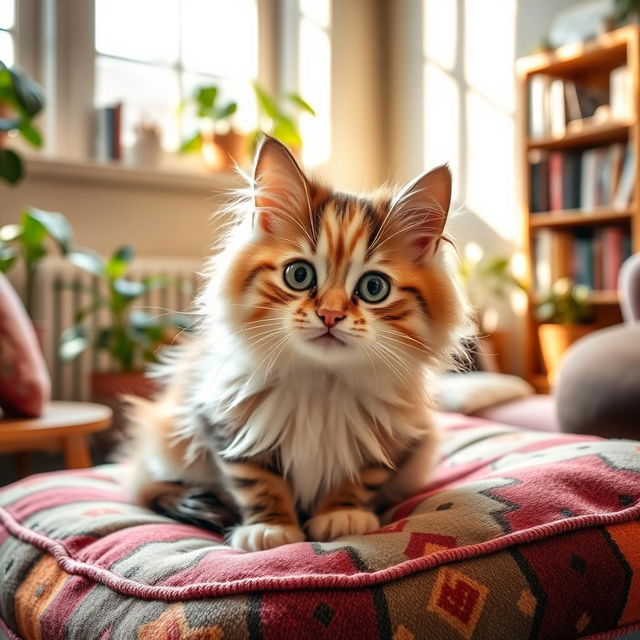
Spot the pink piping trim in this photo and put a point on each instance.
(129, 587)
(4, 627)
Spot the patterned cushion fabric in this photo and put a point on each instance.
(521, 534)
(24, 380)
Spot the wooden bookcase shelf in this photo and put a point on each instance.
(589, 62)
(587, 136)
(578, 218)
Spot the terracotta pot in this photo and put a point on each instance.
(555, 339)
(233, 145)
(109, 389)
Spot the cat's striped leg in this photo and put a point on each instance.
(348, 510)
(266, 505)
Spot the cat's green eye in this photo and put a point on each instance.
(373, 287)
(300, 275)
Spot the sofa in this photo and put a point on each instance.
(520, 534)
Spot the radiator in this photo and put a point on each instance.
(63, 289)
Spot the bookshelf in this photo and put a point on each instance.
(579, 157)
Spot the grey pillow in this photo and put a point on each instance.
(598, 387)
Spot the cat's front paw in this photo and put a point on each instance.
(260, 537)
(343, 522)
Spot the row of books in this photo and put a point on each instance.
(555, 102)
(598, 177)
(591, 257)
(108, 126)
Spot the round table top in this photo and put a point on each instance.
(58, 419)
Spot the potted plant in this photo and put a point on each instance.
(218, 142)
(277, 117)
(488, 280)
(29, 240)
(20, 101)
(564, 313)
(131, 336)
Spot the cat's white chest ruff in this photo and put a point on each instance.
(323, 428)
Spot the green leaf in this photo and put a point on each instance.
(34, 233)
(226, 111)
(118, 263)
(205, 99)
(87, 260)
(10, 166)
(265, 102)
(286, 131)
(80, 316)
(27, 94)
(301, 103)
(128, 288)
(30, 133)
(56, 225)
(73, 342)
(8, 256)
(192, 144)
(103, 338)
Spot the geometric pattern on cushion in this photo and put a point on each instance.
(521, 534)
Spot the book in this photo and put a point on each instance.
(583, 259)
(539, 106)
(557, 109)
(572, 101)
(626, 184)
(617, 160)
(542, 256)
(589, 167)
(612, 256)
(620, 93)
(539, 182)
(556, 179)
(571, 180)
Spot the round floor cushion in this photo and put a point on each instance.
(520, 534)
(598, 388)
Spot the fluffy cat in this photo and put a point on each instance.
(301, 401)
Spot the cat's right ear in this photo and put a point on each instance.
(281, 188)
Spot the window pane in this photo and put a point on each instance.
(239, 91)
(6, 48)
(314, 80)
(150, 95)
(220, 37)
(7, 14)
(319, 11)
(139, 29)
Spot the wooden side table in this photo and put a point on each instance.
(64, 426)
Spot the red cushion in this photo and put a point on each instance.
(521, 534)
(24, 381)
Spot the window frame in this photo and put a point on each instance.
(56, 46)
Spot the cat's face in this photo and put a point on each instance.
(337, 279)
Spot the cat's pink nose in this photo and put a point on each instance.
(331, 316)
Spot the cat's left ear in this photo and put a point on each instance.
(421, 206)
(281, 188)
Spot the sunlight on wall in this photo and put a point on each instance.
(489, 171)
(315, 79)
(489, 50)
(439, 28)
(441, 120)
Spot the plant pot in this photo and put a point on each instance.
(109, 389)
(555, 339)
(233, 146)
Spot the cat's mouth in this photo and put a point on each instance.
(328, 339)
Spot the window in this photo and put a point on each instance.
(151, 55)
(314, 79)
(7, 23)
